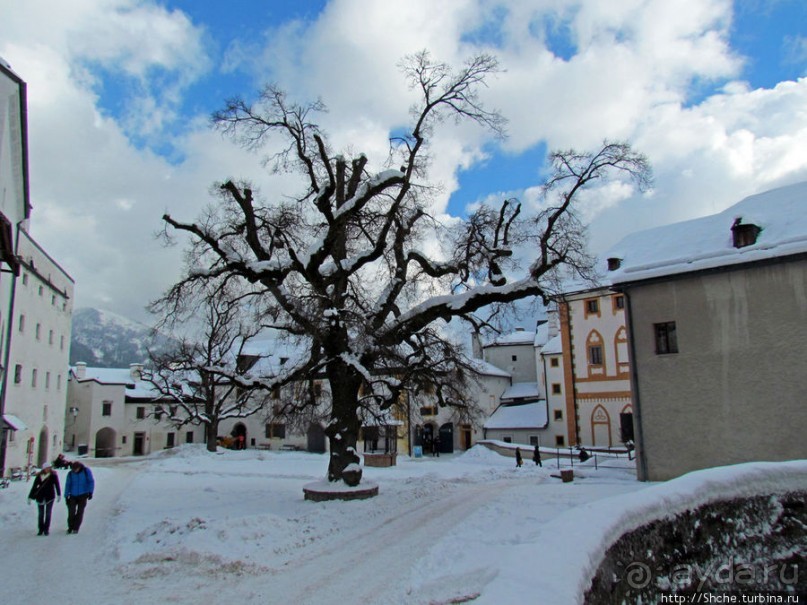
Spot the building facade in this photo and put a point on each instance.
(112, 412)
(596, 385)
(36, 390)
(717, 312)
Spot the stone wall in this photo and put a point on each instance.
(737, 546)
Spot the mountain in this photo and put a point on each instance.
(106, 340)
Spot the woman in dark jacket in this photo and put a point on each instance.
(45, 490)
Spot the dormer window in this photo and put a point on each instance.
(744, 234)
(614, 263)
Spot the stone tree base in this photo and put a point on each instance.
(324, 490)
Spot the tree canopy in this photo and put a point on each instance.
(349, 268)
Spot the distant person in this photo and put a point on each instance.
(584, 455)
(78, 489)
(45, 490)
(436, 445)
(519, 460)
(536, 456)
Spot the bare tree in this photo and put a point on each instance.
(201, 372)
(341, 269)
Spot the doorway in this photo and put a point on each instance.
(139, 444)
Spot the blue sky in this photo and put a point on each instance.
(119, 91)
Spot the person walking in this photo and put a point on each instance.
(45, 490)
(536, 456)
(519, 460)
(78, 489)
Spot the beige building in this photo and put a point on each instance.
(717, 311)
(596, 367)
(111, 412)
(36, 388)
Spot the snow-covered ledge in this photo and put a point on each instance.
(574, 545)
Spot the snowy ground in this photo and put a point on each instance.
(185, 526)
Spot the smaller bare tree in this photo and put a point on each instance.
(204, 374)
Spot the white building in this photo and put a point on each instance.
(36, 388)
(15, 208)
(112, 412)
(531, 410)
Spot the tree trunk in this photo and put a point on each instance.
(343, 429)
(212, 436)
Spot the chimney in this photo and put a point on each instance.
(743, 235)
(476, 346)
(135, 370)
(81, 370)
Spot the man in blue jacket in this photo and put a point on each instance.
(78, 489)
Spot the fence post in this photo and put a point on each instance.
(596, 468)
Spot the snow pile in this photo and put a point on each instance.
(574, 544)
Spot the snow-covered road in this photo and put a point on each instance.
(189, 527)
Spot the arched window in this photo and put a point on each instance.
(621, 351)
(595, 354)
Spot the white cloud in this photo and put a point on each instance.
(629, 72)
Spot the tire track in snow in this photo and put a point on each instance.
(373, 563)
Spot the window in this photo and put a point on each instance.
(24, 279)
(514, 357)
(317, 389)
(33, 378)
(595, 355)
(556, 388)
(189, 437)
(158, 412)
(554, 362)
(123, 439)
(618, 301)
(666, 338)
(22, 323)
(173, 410)
(558, 414)
(276, 430)
(507, 439)
(38, 331)
(106, 408)
(61, 343)
(41, 290)
(50, 337)
(169, 439)
(533, 439)
(559, 441)
(592, 307)
(140, 413)
(58, 382)
(17, 374)
(428, 410)
(47, 380)
(53, 300)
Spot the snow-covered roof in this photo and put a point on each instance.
(554, 346)
(706, 243)
(518, 337)
(135, 389)
(484, 368)
(14, 422)
(522, 390)
(541, 333)
(524, 416)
